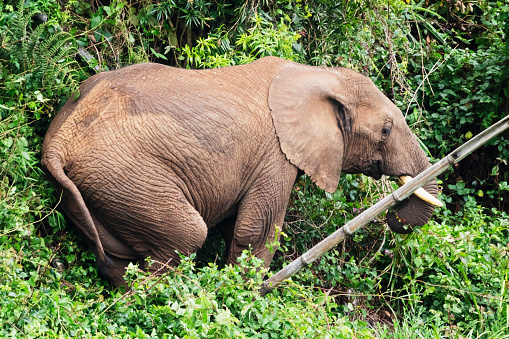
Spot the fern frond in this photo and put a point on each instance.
(29, 45)
(46, 58)
(56, 52)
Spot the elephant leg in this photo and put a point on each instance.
(262, 209)
(114, 268)
(117, 254)
(227, 229)
(175, 228)
(164, 233)
(113, 245)
(259, 236)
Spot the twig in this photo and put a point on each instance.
(379, 248)
(433, 69)
(132, 292)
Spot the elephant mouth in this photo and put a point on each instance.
(374, 170)
(403, 179)
(415, 210)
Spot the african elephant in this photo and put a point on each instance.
(151, 157)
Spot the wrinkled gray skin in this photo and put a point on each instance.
(150, 157)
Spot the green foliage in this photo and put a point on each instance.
(457, 270)
(185, 303)
(467, 91)
(259, 41)
(413, 325)
(193, 34)
(444, 63)
(32, 72)
(43, 55)
(37, 67)
(454, 270)
(346, 272)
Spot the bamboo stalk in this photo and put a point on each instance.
(397, 196)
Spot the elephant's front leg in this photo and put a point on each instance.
(261, 210)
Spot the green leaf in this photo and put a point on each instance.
(96, 20)
(159, 55)
(108, 10)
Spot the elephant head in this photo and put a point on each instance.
(330, 120)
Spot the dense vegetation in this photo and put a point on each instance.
(444, 63)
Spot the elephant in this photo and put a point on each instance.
(150, 157)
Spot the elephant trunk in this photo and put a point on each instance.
(412, 212)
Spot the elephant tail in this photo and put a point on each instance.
(51, 161)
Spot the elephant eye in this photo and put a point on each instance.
(386, 131)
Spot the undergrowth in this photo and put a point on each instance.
(445, 67)
(186, 302)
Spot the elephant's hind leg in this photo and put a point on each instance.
(227, 228)
(114, 268)
(179, 228)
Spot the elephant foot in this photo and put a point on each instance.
(113, 268)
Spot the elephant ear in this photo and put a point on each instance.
(313, 119)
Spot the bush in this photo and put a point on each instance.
(457, 269)
(184, 303)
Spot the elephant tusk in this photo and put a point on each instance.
(421, 192)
